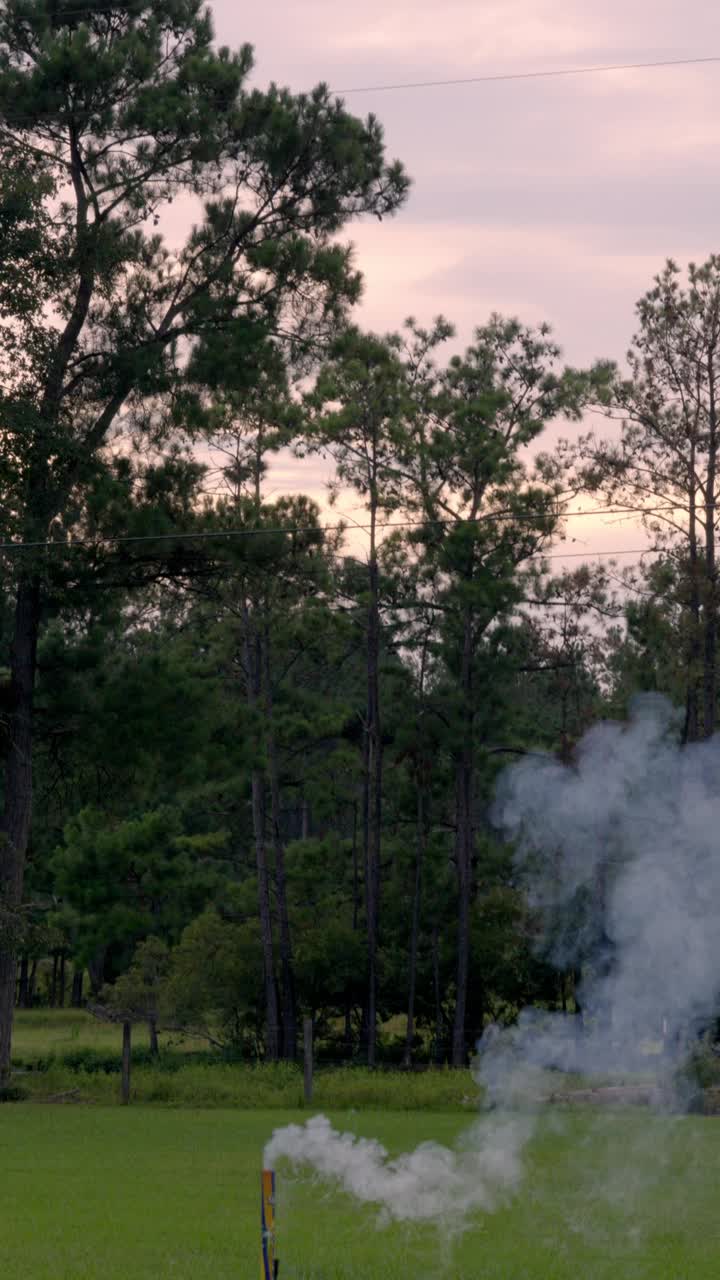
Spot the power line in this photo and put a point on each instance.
(656, 64)
(588, 555)
(485, 79)
(207, 535)
(531, 75)
(518, 518)
(255, 531)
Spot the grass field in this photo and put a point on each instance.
(96, 1193)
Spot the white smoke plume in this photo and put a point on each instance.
(431, 1183)
(620, 852)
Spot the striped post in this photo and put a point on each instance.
(268, 1262)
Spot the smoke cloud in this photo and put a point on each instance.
(430, 1183)
(619, 854)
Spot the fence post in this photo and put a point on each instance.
(308, 1054)
(126, 1059)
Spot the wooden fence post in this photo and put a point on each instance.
(126, 1052)
(308, 1053)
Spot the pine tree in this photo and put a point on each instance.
(110, 111)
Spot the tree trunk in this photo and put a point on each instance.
(253, 671)
(96, 970)
(22, 996)
(289, 1004)
(691, 732)
(463, 858)
(272, 1028)
(54, 981)
(464, 847)
(76, 998)
(61, 980)
(153, 1032)
(415, 927)
(421, 780)
(576, 984)
(308, 1060)
(126, 1063)
(17, 808)
(372, 798)
(356, 871)
(347, 1032)
(710, 611)
(439, 1019)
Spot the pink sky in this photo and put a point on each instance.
(547, 199)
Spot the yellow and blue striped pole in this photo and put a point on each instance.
(268, 1261)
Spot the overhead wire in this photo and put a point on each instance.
(250, 531)
(493, 78)
(111, 10)
(589, 555)
(531, 75)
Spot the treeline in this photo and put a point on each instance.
(248, 768)
(279, 757)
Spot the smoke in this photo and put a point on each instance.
(620, 855)
(431, 1183)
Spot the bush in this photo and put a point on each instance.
(100, 1061)
(702, 1068)
(711, 1102)
(266, 1086)
(12, 1093)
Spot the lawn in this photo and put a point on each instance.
(98, 1193)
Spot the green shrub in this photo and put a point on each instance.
(12, 1093)
(101, 1061)
(272, 1085)
(711, 1102)
(702, 1067)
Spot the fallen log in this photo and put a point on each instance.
(617, 1095)
(69, 1095)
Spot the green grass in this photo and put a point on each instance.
(95, 1193)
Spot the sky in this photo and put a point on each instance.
(551, 199)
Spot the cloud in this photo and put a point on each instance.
(468, 32)
(586, 290)
(470, 38)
